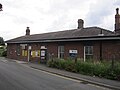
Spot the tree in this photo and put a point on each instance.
(2, 42)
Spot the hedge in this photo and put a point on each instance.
(104, 70)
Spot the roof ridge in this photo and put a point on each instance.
(84, 32)
(70, 30)
(54, 32)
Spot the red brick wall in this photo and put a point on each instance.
(52, 48)
(74, 46)
(109, 48)
(96, 50)
(11, 51)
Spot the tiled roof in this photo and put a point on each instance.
(75, 33)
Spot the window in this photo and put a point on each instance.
(88, 52)
(61, 52)
(18, 50)
(24, 53)
(37, 53)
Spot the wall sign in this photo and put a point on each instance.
(73, 53)
(42, 52)
(29, 47)
(43, 47)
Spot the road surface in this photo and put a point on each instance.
(19, 76)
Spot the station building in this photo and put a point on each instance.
(82, 43)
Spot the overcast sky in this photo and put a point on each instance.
(54, 15)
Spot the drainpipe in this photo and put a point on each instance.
(101, 46)
(28, 55)
(100, 50)
(84, 55)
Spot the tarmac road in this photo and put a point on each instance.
(19, 76)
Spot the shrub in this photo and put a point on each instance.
(88, 68)
(4, 53)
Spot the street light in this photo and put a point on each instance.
(0, 7)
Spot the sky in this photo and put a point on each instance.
(44, 16)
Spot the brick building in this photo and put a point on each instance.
(84, 43)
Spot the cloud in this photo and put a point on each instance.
(117, 2)
(53, 15)
(65, 13)
(98, 11)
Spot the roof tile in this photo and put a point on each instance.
(85, 32)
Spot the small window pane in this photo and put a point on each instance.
(60, 51)
(88, 50)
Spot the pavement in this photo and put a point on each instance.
(86, 79)
(112, 84)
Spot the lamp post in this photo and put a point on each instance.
(0, 7)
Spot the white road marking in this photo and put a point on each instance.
(78, 81)
(104, 88)
(21, 62)
(4, 60)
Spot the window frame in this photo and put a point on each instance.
(18, 50)
(61, 51)
(89, 50)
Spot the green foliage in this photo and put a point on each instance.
(88, 68)
(3, 51)
(2, 42)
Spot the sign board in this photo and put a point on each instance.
(73, 53)
(43, 47)
(23, 44)
(30, 48)
(42, 52)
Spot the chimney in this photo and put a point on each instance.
(27, 31)
(1, 7)
(117, 22)
(80, 24)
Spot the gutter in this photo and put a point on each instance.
(68, 39)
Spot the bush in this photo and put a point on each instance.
(87, 68)
(4, 53)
